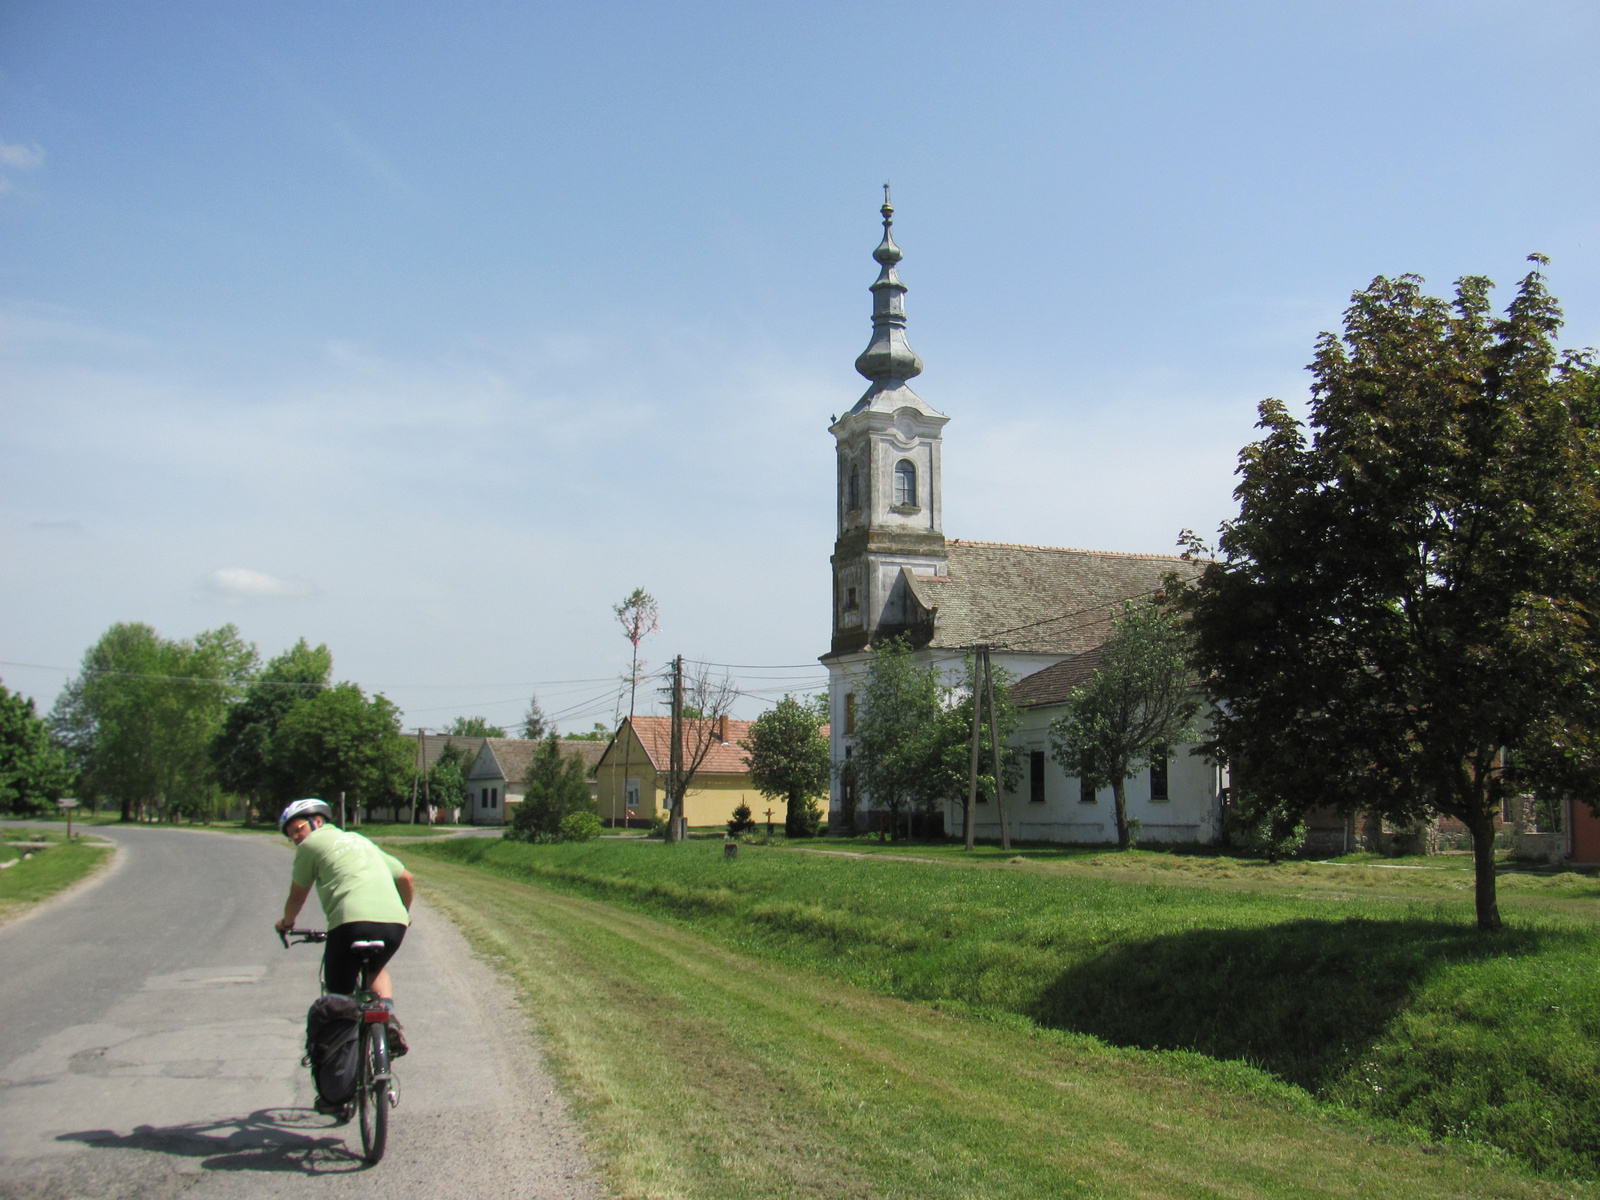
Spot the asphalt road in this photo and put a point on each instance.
(151, 1028)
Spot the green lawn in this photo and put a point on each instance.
(30, 880)
(1365, 989)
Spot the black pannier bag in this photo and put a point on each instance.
(333, 1028)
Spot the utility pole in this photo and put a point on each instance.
(968, 820)
(675, 767)
(417, 775)
(994, 745)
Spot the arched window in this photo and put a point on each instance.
(852, 489)
(905, 483)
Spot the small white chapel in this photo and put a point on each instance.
(1043, 611)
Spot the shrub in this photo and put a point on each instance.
(580, 827)
(742, 821)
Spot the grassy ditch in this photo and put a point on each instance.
(1365, 998)
(702, 1071)
(46, 871)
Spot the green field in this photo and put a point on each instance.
(46, 872)
(1364, 990)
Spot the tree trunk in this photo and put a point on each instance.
(1119, 797)
(791, 817)
(1482, 827)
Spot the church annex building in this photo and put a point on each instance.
(1043, 611)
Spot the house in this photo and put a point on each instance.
(631, 774)
(496, 776)
(1042, 610)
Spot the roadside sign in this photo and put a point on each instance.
(67, 804)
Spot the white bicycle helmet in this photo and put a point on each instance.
(303, 808)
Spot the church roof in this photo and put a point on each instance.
(1053, 684)
(1035, 599)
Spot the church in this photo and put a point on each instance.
(1044, 611)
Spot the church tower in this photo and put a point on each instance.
(889, 493)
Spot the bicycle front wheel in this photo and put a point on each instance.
(373, 1091)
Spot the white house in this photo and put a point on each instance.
(1042, 610)
(495, 778)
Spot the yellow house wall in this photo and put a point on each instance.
(712, 799)
(611, 780)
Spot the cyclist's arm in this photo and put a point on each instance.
(406, 885)
(296, 901)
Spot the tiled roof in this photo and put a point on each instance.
(513, 756)
(433, 745)
(1051, 685)
(1035, 599)
(724, 758)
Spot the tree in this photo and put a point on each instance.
(447, 779)
(534, 724)
(898, 747)
(340, 741)
(474, 727)
(637, 615)
(1411, 594)
(242, 748)
(142, 713)
(556, 786)
(1140, 700)
(789, 761)
(34, 772)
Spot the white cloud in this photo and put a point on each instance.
(20, 157)
(241, 584)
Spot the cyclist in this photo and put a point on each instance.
(366, 895)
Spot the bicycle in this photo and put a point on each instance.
(376, 1088)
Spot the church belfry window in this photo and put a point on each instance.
(852, 489)
(905, 483)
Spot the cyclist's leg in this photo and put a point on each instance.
(340, 963)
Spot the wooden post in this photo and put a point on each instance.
(972, 766)
(996, 750)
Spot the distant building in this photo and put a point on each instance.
(495, 777)
(1041, 609)
(632, 772)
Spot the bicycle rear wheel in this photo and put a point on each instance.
(373, 1090)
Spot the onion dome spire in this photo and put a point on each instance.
(888, 358)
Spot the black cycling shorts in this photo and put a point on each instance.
(339, 963)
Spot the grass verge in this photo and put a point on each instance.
(702, 1071)
(28, 881)
(1386, 1003)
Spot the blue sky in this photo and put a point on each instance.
(430, 331)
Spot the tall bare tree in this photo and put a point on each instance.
(637, 615)
(710, 698)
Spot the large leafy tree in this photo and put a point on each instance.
(340, 740)
(898, 749)
(789, 761)
(141, 715)
(556, 786)
(1412, 591)
(447, 778)
(34, 771)
(242, 749)
(1140, 700)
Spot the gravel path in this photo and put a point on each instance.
(152, 1038)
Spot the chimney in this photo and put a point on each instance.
(722, 728)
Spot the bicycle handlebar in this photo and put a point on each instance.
(300, 936)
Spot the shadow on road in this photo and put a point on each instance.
(269, 1139)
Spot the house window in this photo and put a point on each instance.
(1158, 774)
(494, 797)
(850, 598)
(1036, 776)
(1085, 792)
(905, 483)
(483, 797)
(850, 713)
(852, 490)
